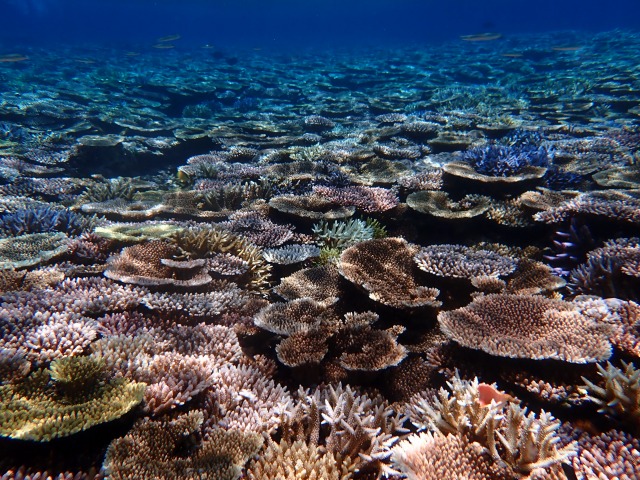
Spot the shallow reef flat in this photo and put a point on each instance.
(416, 263)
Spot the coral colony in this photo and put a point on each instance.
(257, 269)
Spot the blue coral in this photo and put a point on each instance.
(42, 220)
(505, 161)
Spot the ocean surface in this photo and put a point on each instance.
(319, 240)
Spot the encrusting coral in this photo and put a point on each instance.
(71, 396)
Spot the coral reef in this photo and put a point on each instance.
(240, 264)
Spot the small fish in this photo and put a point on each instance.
(163, 46)
(511, 55)
(486, 393)
(168, 38)
(13, 57)
(481, 37)
(569, 48)
(132, 54)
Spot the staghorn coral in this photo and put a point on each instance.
(360, 428)
(458, 261)
(171, 450)
(620, 395)
(480, 412)
(31, 249)
(506, 161)
(44, 219)
(65, 399)
(290, 254)
(342, 234)
(385, 269)
(439, 204)
(366, 199)
(528, 326)
(298, 461)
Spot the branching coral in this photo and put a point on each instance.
(610, 271)
(506, 161)
(45, 219)
(620, 395)
(342, 234)
(481, 413)
(357, 428)
(299, 461)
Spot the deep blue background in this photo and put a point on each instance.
(298, 23)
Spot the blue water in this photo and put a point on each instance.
(287, 24)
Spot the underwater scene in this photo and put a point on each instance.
(319, 240)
